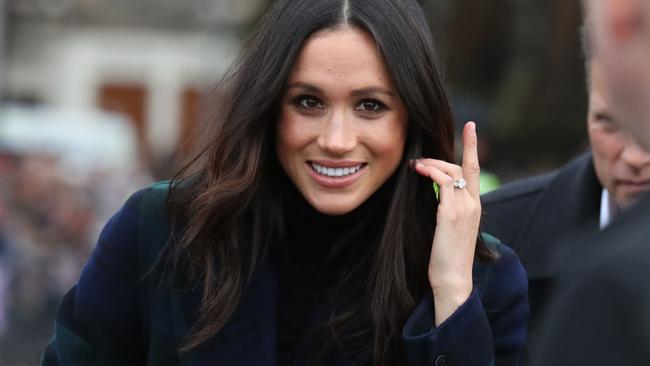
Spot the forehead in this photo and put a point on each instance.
(344, 54)
(599, 98)
(597, 82)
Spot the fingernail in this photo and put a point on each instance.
(414, 162)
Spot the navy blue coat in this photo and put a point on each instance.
(118, 315)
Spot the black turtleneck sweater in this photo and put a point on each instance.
(317, 252)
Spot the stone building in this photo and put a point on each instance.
(148, 59)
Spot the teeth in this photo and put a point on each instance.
(335, 172)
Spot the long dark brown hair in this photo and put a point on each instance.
(228, 211)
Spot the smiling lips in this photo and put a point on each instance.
(331, 174)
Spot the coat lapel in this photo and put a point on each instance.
(571, 201)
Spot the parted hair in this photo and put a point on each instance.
(227, 211)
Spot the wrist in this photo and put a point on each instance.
(447, 299)
(450, 281)
(456, 295)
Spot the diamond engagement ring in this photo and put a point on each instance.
(460, 183)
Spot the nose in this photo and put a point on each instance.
(337, 135)
(634, 155)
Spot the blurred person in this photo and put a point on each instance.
(6, 169)
(621, 32)
(49, 225)
(4, 272)
(311, 232)
(600, 311)
(587, 193)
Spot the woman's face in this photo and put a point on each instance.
(342, 125)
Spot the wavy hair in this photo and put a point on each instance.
(228, 211)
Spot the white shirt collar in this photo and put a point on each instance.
(607, 209)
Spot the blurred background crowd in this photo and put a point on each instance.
(100, 97)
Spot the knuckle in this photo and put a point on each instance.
(473, 167)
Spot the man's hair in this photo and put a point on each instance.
(587, 52)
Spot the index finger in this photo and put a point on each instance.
(471, 166)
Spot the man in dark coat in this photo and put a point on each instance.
(600, 310)
(533, 214)
(599, 313)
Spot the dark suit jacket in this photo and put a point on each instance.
(600, 314)
(532, 214)
(119, 315)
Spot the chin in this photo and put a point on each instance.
(334, 207)
(629, 202)
(625, 201)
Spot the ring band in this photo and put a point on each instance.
(460, 183)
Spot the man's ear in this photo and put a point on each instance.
(624, 17)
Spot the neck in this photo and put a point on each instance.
(331, 238)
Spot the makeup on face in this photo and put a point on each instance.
(342, 125)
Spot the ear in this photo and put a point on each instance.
(625, 18)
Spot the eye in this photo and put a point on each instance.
(603, 117)
(605, 120)
(308, 102)
(371, 105)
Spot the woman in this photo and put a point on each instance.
(311, 233)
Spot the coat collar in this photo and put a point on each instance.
(570, 202)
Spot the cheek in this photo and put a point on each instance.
(288, 136)
(285, 140)
(606, 146)
(388, 143)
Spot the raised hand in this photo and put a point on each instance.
(458, 218)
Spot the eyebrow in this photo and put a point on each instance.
(358, 92)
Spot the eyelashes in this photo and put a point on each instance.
(312, 103)
(371, 105)
(308, 102)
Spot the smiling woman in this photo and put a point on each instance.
(311, 233)
(342, 127)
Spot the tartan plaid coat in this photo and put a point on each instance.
(119, 315)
